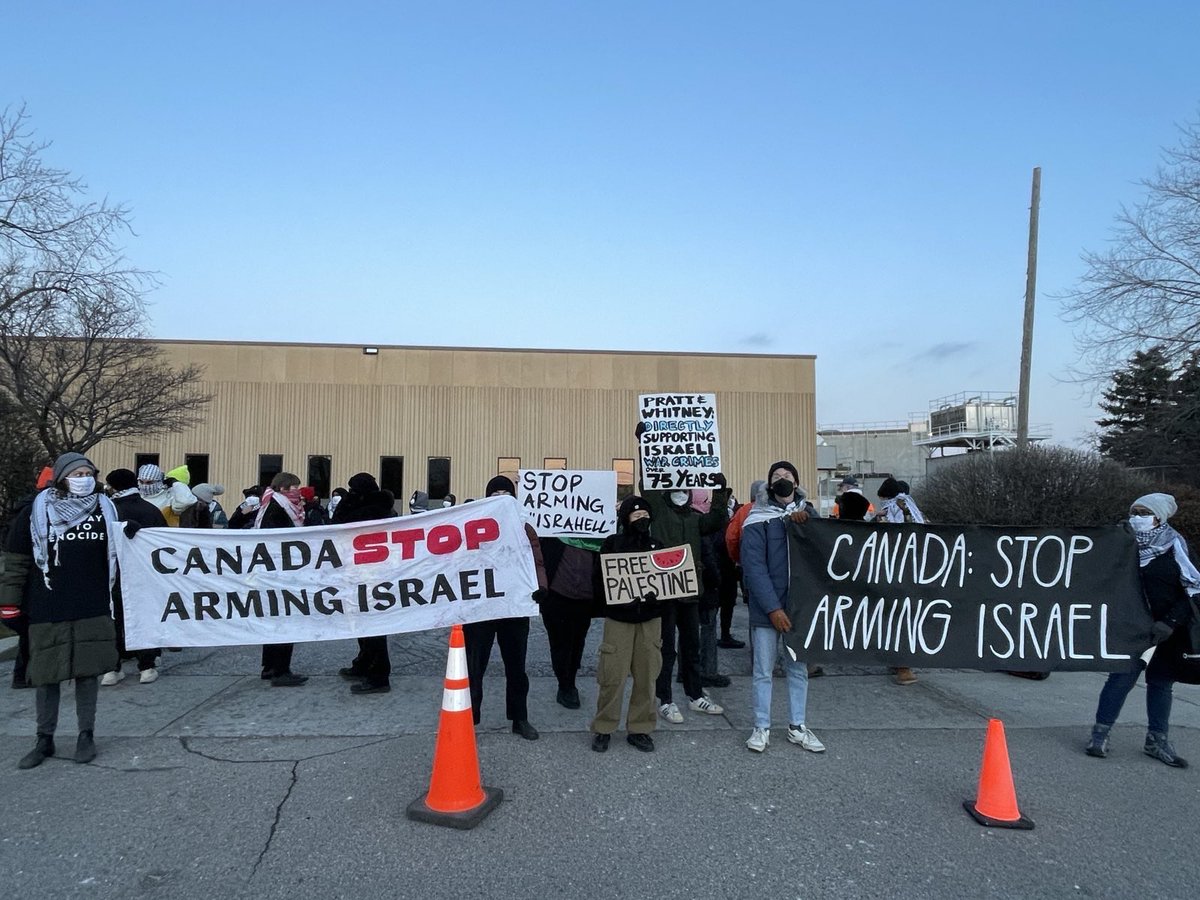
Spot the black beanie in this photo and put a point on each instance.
(852, 507)
(500, 483)
(629, 506)
(783, 464)
(121, 479)
(889, 489)
(363, 483)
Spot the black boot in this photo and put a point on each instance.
(42, 750)
(85, 748)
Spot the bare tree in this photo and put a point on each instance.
(75, 360)
(1145, 289)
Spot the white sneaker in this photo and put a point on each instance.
(759, 740)
(148, 676)
(704, 705)
(111, 678)
(805, 739)
(671, 713)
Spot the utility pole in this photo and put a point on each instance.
(1027, 331)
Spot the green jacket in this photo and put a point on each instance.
(674, 526)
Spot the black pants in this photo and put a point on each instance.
(146, 659)
(727, 591)
(373, 662)
(567, 631)
(684, 618)
(20, 624)
(513, 637)
(277, 659)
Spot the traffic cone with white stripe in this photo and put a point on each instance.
(457, 797)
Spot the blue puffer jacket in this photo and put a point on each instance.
(765, 569)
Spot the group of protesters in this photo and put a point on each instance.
(60, 590)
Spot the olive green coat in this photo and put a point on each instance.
(58, 651)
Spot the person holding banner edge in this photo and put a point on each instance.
(132, 507)
(766, 573)
(1169, 582)
(511, 634)
(365, 501)
(281, 507)
(673, 523)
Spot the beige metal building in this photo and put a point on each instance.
(446, 419)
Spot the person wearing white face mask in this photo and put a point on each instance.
(1169, 579)
(60, 565)
(673, 522)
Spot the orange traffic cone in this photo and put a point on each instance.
(996, 803)
(457, 797)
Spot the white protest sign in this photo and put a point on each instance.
(566, 503)
(186, 587)
(680, 445)
(669, 573)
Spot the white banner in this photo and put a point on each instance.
(185, 587)
(680, 445)
(569, 503)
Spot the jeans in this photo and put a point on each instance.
(1117, 688)
(764, 644)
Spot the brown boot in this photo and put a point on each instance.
(904, 675)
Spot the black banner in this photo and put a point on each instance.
(970, 597)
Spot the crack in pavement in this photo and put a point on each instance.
(202, 702)
(136, 770)
(183, 742)
(294, 779)
(278, 814)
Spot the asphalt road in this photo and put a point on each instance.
(210, 784)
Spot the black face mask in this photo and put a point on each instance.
(641, 526)
(783, 488)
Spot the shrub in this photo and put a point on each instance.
(1035, 486)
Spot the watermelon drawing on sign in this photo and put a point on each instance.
(664, 560)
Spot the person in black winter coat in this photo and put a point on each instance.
(1169, 582)
(632, 643)
(371, 670)
(131, 507)
(567, 611)
(512, 634)
(281, 507)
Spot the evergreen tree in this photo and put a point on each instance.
(1182, 417)
(1138, 406)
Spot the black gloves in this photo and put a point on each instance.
(132, 528)
(650, 596)
(1161, 631)
(720, 481)
(539, 595)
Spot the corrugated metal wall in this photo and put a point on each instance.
(472, 406)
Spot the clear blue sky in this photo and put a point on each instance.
(850, 181)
